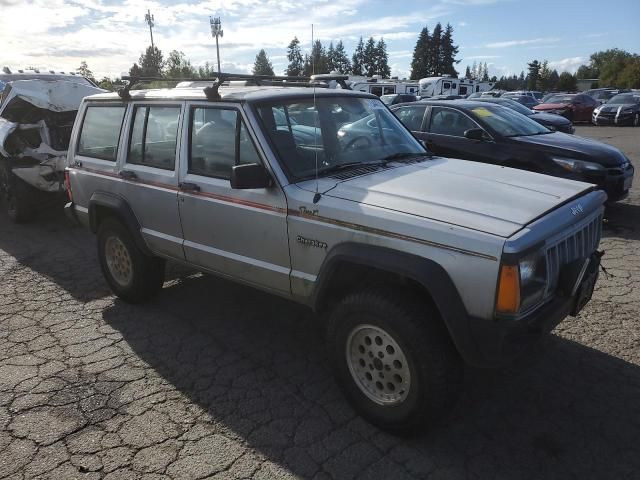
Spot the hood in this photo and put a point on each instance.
(573, 146)
(486, 198)
(551, 106)
(550, 118)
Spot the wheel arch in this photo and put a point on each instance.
(103, 205)
(348, 261)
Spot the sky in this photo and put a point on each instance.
(111, 34)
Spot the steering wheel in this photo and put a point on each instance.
(353, 142)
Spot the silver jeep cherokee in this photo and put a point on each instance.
(322, 196)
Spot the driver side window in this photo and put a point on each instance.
(446, 121)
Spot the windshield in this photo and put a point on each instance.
(513, 105)
(620, 99)
(507, 122)
(334, 132)
(387, 99)
(559, 99)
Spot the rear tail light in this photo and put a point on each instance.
(67, 185)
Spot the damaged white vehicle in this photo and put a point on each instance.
(36, 117)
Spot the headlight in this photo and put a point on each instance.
(578, 166)
(596, 111)
(522, 286)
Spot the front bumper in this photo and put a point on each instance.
(622, 118)
(501, 340)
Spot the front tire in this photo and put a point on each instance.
(133, 276)
(18, 197)
(394, 359)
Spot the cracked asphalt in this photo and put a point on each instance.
(215, 380)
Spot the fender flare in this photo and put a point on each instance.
(426, 272)
(119, 207)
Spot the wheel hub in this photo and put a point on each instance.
(118, 261)
(378, 365)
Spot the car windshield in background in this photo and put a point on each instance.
(512, 104)
(387, 99)
(333, 133)
(507, 122)
(560, 99)
(626, 98)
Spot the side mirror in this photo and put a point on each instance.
(474, 134)
(249, 176)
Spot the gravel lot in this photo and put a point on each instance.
(204, 383)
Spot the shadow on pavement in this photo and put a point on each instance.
(256, 364)
(622, 220)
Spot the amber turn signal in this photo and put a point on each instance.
(508, 290)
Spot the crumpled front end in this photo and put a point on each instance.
(36, 119)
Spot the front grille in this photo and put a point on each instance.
(580, 243)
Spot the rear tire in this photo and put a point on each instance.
(133, 276)
(393, 359)
(19, 199)
(636, 120)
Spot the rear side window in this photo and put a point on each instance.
(219, 140)
(100, 132)
(411, 117)
(154, 137)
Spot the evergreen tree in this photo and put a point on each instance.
(419, 63)
(567, 82)
(341, 60)
(178, 66)
(382, 59)
(448, 53)
(296, 61)
(83, 70)
(135, 71)
(522, 81)
(485, 73)
(207, 70)
(434, 52)
(369, 64)
(357, 67)
(534, 74)
(331, 57)
(262, 65)
(553, 80)
(474, 71)
(319, 60)
(467, 72)
(151, 62)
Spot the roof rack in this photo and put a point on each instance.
(212, 93)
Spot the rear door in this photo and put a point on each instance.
(149, 173)
(240, 233)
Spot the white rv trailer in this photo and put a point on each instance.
(380, 86)
(432, 86)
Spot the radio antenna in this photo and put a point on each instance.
(316, 197)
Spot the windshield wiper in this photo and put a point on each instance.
(343, 166)
(405, 155)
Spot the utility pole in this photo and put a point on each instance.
(216, 31)
(150, 21)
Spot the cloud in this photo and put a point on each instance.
(463, 24)
(482, 57)
(570, 64)
(515, 43)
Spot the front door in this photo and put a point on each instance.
(241, 233)
(150, 175)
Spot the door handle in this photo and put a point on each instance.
(128, 175)
(189, 187)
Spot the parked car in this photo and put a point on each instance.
(549, 120)
(446, 97)
(418, 263)
(484, 132)
(577, 107)
(396, 98)
(527, 93)
(36, 116)
(623, 109)
(526, 100)
(602, 95)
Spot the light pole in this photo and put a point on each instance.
(216, 31)
(150, 21)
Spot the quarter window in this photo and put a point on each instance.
(219, 140)
(100, 132)
(154, 136)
